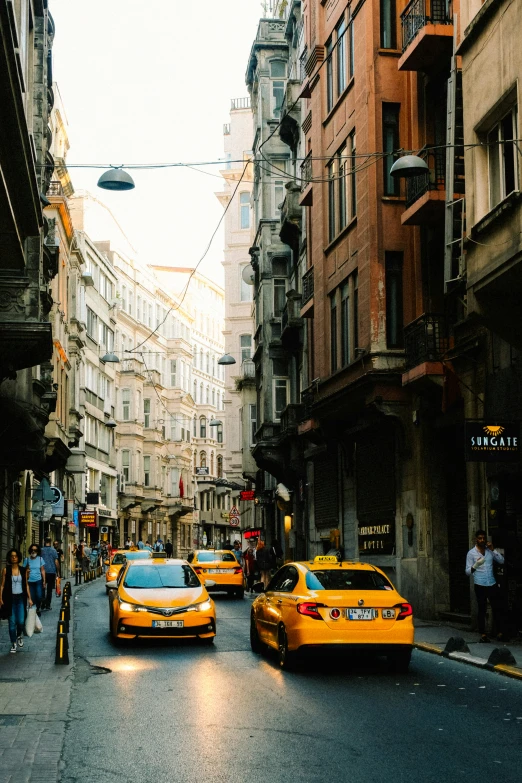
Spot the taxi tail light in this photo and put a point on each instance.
(405, 610)
(310, 609)
(238, 570)
(198, 570)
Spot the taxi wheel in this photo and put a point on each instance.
(207, 640)
(239, 593)
(255, 642)
(399, 660)
(285, 657)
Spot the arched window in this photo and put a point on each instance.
(220, 467)
(194, 427)
(207, 397)
(211, 463)
(195, 460)
(214, 397)
(213, 365)
(208, 363)
(202, 427)
(195, 391)
(201, 393)
(202, 459)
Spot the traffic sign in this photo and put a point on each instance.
(234, 511)
(234, 521)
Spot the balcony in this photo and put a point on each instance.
(239, 103)
(132, 366)
(307, 299)
(291, 212)
(427, 35)
(292, 322)
(306, 199)
(426, 343)
(426, 194)
(55, 189)
(291, 416)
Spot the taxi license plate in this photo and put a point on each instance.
(388, 614)
(167, 623)
(220, 570)
(360, 614)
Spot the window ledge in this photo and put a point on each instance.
(490, 217)
(390, 52)
(338, 101)
(340, 235)
(394, 199)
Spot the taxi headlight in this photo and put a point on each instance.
(204, 606)
(125, 606)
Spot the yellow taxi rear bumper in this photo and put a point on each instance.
(315, 633)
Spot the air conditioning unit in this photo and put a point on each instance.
(120, 483)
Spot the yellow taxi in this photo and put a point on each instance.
(222, 567)
(327, 603)
(160, 598)
(118, 560)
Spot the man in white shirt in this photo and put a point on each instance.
(479, 564)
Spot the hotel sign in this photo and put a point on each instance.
(492, 442)
(377, 538)
(88, 518)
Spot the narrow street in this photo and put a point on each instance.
(182, 712)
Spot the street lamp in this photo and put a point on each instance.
(116, 179)
(110, 356)
(111, 423)
(215, 422)
(226, 359)
(409, 166)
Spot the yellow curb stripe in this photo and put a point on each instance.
(510, 671)
(428, 647)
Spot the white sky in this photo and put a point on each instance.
(150, 81)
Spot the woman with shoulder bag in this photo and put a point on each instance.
(36, 576)
(14, 595)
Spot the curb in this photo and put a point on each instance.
(481, 663)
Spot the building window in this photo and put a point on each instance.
(277, 71)
(331, 168)
(213, 397)
(173, 372)
(125, 464)
(388, 25)
(342, 166)
(194, 427)
(203, 460)
(244, 208)
(146, 471)
(394, 312)
(92, 324)
(345, 325)
(353, 168)
(245, 344)
(146, 412)
(391, 143)
(207, 395)
(202, 427)
(280, 386)
(245, 289)
(125, 404)
(279, 295)
(333, 332)
(252, 413)
(220, 467)
(502, 159)
(211, 463)
(350, 45)
(340, 31)
(279, 197)
(329, 75)
(219, 433)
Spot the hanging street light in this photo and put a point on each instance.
(116, 179)
(409, 166)
(109, 357)
(215, 422)
(226, 359)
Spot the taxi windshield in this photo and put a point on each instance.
(216, 557)
(346, 579)
(140, 554)
(118, 559)
(149, 577)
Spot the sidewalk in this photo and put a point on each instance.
(434, 637)
(34, 700)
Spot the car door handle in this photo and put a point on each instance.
(279, 600)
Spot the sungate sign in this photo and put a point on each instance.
(492, 441)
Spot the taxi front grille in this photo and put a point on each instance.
(166, 611)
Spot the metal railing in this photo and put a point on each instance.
(435, 179)
(56, 189)
(306, 171)
(302, 64)
(131, 365)
(419, 13)
(426, 339)
(240, 103)
(308, 285)
(248, 369)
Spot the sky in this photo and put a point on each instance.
(150, 81)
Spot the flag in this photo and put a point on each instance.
(181, 487)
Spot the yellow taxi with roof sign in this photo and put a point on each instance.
(327, 603)
(161, 597)
(223, 568)
(118, 560)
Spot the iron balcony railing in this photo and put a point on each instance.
(419, 13)
(306, 171)
(56, 189)
(425, 340)
(435, 179)
(240, 103)
(248, 369)
(308, 285)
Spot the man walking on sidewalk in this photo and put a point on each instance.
(479, 563)
(52, 570)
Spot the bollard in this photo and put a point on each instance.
(61, 627)
(67, 589)
(64, 618)
(85, 576)
(62, 649)
(78, 576)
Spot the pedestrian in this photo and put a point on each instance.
(52, 570)
(479, 564)
(56, 545)
(128, 543)
(250, 567)
(141, 545)
(169, 548)
(238, 554)
(79, 555)
(14, 596)
(158, 546)
(264, 561)
(148, 545)
(36, 576)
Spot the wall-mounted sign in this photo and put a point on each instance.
(58, 501)
(378, 538)
(202, 472)
(487, 441)
(247, 494)
(254, 532)
(234, 511)
(234, 521)
(76, 517)
(88, 518)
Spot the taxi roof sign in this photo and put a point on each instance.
(326, 559)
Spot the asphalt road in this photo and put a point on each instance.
(173, 712)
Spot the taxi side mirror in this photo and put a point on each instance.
(209, 583)
(111, 585)
(106, 562)
(259, 587)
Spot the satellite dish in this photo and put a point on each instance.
(248, 275)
